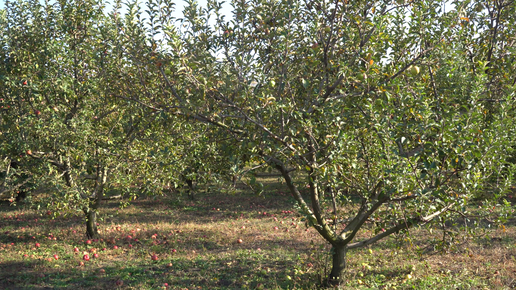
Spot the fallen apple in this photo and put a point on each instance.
(86, 257)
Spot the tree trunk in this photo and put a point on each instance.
(91, 223)
(94, 203)
(190, 188)
(339, 264)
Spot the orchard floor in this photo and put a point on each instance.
(239, 241)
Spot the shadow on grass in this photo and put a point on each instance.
(204, 233)
(238, 272)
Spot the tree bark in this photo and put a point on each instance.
(190, 188)
(91, 223)
(338, 265)
(94, 203)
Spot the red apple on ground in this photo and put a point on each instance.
(56, 257)
(29, 152)
(37, 112)
(24, 83)
(86, 257)
(95, 255)
(38, 245)
(76, 250)
(240, 241)
(154, 257)
(81, 263)
(88, 242)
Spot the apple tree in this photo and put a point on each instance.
(379, 115)
(65, 64)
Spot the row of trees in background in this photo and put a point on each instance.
(393, 112)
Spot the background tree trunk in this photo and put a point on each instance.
(91, 223)
(94, 203)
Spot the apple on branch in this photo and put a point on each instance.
(413, 70)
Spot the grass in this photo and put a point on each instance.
(197, 247)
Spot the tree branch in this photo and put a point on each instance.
(404, 224)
